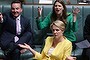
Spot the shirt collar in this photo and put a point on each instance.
(18, 18)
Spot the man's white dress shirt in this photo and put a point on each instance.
(18, 28)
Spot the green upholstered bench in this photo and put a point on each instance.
(30, 11)
(24, 56)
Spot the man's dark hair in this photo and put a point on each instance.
(17, 1)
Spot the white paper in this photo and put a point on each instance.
(16, 39)
(83, 44)
(45, 1)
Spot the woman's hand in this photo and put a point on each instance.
(39, 11)
(25, 46)
(1, 16)
(75, 12)
(71, 58)
(23, 50)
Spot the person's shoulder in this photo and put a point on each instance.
(24, 17)
(88, 15)
(88, 18)
(68, 41)
(49, 38)
(49, 14)
(69, 13)
(6, 13)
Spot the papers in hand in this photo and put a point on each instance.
(83, 44)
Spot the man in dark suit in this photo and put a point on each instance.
(86, 34)
(16, 30)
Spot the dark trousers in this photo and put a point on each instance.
(74, 45)
(14, 55)
(86, 54)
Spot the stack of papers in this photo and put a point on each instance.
(83, 44)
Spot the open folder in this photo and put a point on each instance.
(83, 44)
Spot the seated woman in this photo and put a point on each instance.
(57, 47)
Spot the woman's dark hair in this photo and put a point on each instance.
(17, 1)
(64, 12)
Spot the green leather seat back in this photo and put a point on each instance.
(27, 12)
(79, 32)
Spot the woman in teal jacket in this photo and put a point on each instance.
(60, 12)
(70, 19)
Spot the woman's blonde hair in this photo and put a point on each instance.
(59, 24)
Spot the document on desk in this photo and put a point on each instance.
(83, 44)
